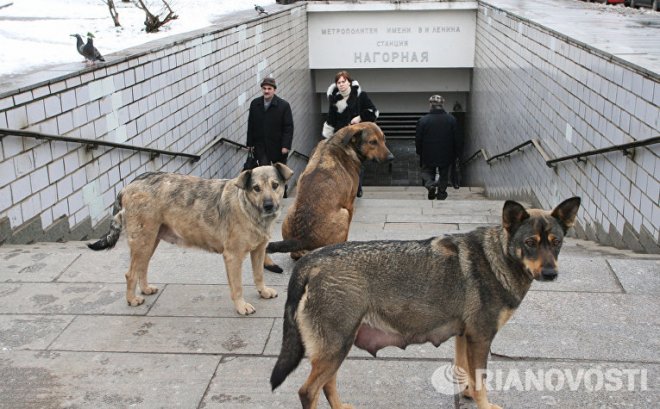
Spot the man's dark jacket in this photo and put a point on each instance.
(436, 140)
(273, 128)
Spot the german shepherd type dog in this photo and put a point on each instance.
(323, 209)
(229, 216)
(381, 293)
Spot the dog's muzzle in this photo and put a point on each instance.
(548, 274)
(269, 206)
(389, 158)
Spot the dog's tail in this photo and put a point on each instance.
(293, 349)
(110, 239)
(285, 246)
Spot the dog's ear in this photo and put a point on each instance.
(566, 212)
(513, 215)
(351, 132)
(284, 171)
(244, 179)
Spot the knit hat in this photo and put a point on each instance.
(436, 100)
(269, 81)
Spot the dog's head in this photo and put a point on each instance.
(368, 141)
(264, 186)
(535, 236)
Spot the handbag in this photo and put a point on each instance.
(250, 162)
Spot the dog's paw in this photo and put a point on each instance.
(135, 301)
(149, 290)
(268, 293)
(467, 393)
(244, 308)
(274, 268)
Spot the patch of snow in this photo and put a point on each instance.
(36, 33)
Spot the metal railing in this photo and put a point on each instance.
(93, 144)
(626, 148)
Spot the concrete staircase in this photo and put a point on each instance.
(68, 339)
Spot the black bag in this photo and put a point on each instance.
(251, 162)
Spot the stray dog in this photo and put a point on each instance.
(229, 216)
(323, 209)
(381, 293)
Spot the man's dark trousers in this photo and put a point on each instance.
(428, 177)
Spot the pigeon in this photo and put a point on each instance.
(79, 43)
(260, 9)
(88, 50)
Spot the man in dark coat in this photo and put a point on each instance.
(436, 142)
(270, 125)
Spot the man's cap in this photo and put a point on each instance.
(436, 100)
(269, 81)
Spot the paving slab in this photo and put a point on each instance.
(594, 342)
(191, 300)
(33, 266)
(30, 331)
(443, 218)
(48, 379)
(241, 335)
(637, 276)
(590, 274)
(243, 382)
(68, 298)
(173, 265)
(578, 309)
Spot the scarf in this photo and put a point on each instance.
(343, 103)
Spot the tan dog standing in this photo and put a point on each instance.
(323, 209)
(229, 216)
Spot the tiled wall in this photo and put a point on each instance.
(176, 96)
(532, 83)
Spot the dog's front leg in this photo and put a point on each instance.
(233, 264)
(477, 357)
(257, 257)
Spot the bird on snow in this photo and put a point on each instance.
(260, 9)
(88, 50)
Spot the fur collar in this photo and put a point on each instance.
(333, 91)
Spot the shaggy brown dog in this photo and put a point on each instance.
(229, 216)
(323, 209)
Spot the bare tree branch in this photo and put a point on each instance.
(153, 22)
(113, 11)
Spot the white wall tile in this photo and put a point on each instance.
(20, 189)
(53, 106)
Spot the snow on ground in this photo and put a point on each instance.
(36, 33)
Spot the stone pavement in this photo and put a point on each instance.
(68, 339)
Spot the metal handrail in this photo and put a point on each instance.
(551, 163)
(219, 140)
(518, 148)
(625, 147)
(93, 144)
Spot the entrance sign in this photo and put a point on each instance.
(392, 39)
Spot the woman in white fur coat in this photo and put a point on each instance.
(348, 105)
